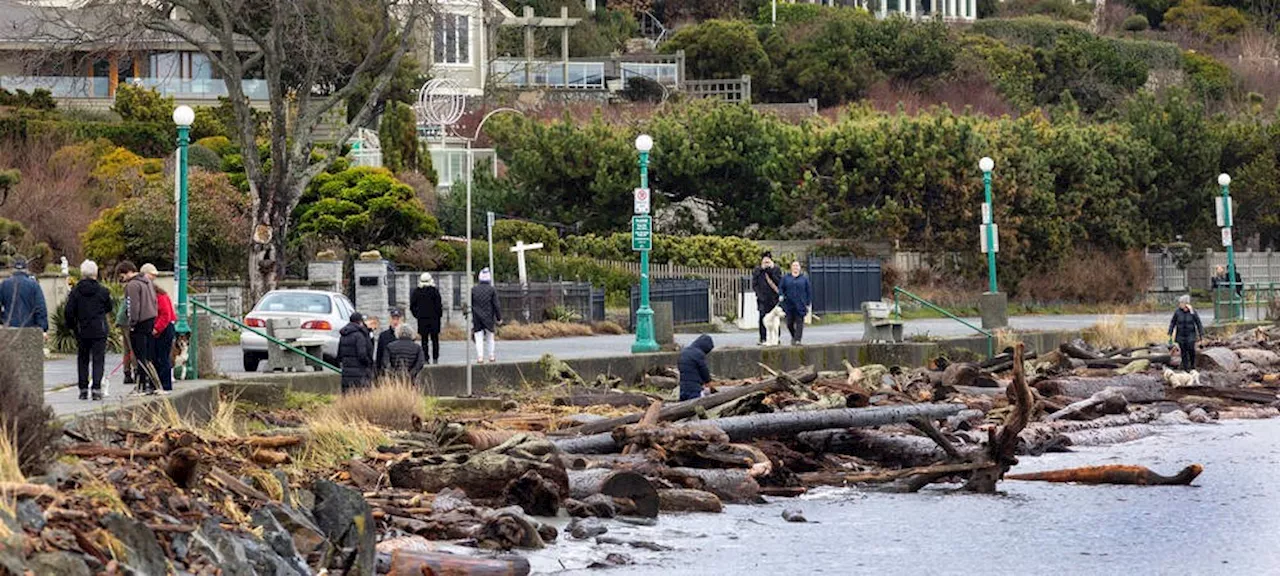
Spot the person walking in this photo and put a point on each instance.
(1186, 324)
(797, 300)
(694, 372)
(425, 305)
(165, 332)
(386, 337)
(86, 313)
(355, 353)
(22, 302)
(140, 303)
(485, 315)
(764, 281)
(404, 356)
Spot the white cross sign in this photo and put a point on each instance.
(520, 248)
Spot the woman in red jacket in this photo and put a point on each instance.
(165, 332)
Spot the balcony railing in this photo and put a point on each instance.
(79, 87)
(587, 74)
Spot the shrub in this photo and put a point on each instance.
(1213, 23)
(1091, 277)
(1207, 77)
(641, 89)
(543, 330)
(703, 251)
(390, 403)
(1153, 9)
(1136, 23)
(39, 99)
(717, 49)
(511, 231)
(141, 104)
(200, 157)
(221, 145)
(398, 135)
(208, 124)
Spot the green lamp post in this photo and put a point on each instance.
(1224, 180)
(988, 222)
(642, 242)
(183, 116)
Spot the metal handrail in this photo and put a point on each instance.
(269, 338)
(1235, 306)
(897, 311)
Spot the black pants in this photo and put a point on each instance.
(90, 350)
(433, 351)
(795, 325)
(1188, 350)
(163, 356)
(143, 345)
(764, 309)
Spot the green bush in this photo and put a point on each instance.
(1153, 9)
(39, 99)
(511, 231)
(1214, 23)
(1207, 77)
(398, 135)
(719, 49)
(142, 138)
(209, 123)
(1136, 23)
(141, 104)
(200, 157)
(792, 13)
(220, 145)
(641, 89)
(1011, 70)
(696, 251)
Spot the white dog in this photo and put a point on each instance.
(773, 326)
(1181, 379)
(180, 357)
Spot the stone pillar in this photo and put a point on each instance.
(371, 289)
(205, 366)
(327, 271)
(994, 309)
(22, 354)
(912, 5)
(663, 323)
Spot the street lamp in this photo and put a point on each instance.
(183, 116)
(643, 225)
(1224, 180)
(988, 222)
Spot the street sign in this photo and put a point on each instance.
(641, 233)
(986, 213)
(995, 237)
(1226, 236)
(641, 197)
(1224, 217)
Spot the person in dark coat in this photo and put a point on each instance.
(766, 281)
(797, 298)
(22, 301)
(425, 305)
(386, 337)
(694, 373)
(165, 332)
(1186, 324)
(355, 353)
(86, 313)
(1220, 281)
(485, 315)
(140, 303)
(404, 356)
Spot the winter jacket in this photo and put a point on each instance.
(140, 300)
(87, 309)
(797, 295)
(426, 306)
(355, 352)
(485, 314)
(694, 372)
(165, 314)
(1221, 282)
(766, 295)
(22, 303)
(404, 355)
(1187, 324)
(384, 339)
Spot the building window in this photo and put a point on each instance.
(452, 39)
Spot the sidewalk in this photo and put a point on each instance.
(66, 402)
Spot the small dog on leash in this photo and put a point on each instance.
(180, 357)
(773, 326)
(1181, 379)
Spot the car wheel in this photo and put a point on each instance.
(251, 361)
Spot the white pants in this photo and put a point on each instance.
(480, 339)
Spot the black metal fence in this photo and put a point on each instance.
(584, 302)
(842, 284)
(689, 298)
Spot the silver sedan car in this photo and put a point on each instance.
(322, 315)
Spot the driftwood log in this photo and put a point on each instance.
(419, 562)
(783, 424)
(615, 399)
(1114, 474)
(1134, 387)
(682, 410)
(894, 449)
(1002, 450)
(1106, 401)
(686, 500)
(584, 484)
(484, 474)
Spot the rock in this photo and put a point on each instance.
(644, 544)
(1135, 367)
(344, 516)
(793, 515)
(60, 563)
(612, 559)
(30, 515)
(1199, 416)
(638, 521)
(533, 494)
(1217, 360)
(601, 505)
(304, 499)
(309, 541)
(180, 545)
(508, 528)
(280, 539)
(143, 554)
(11, 544)
(1077, 364)
(584, 529)
(1175, 418)
(1261, 358)
(686, 500)
(450, 499)
(237, 555)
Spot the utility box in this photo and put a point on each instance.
(663, 323)
(373, 289)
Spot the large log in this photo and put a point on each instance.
(682, 410)
(1134, 387)
(419, 562)
(1114, 474)
(481, 475)
(784, 424)
(1106, 401)
(1217, 360)
(1108, 436)
(729, 485)
(686, 500)
(894, 449)
(1261, 358)
(615, 399)
(618, 484)
(1255, 395)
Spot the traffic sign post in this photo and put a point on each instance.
(642, 241)
(1226, 217)
(642, 233)
(641, 200)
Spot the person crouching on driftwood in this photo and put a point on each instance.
(1186, 323)
(694, 373)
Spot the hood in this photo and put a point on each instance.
(141, 278)
(351, 328)
(704, 343)
(87, 287)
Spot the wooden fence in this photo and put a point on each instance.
(726, 283)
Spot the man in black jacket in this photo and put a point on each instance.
(386, 337)
(1187, 324)
(86, 314)
(404, 356)
(765, 280)
(355, 352)
(694, 372)
(425, 305)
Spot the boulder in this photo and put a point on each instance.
(238, 555)
(347, 520)
(60, 563)
(1263, 359)
(1217, 360)
(280, 539)
(309, 541)
(30, 515)
(142, 552)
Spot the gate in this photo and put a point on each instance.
(690, 299)
(842, 284)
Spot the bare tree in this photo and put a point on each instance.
(312, 54)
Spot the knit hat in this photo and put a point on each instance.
(426, 280)
(485, 276)
(149, 269)
(357, 317)
(19, 264)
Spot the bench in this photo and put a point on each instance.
(282, 359)
(878, 325)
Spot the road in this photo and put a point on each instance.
(62, 371)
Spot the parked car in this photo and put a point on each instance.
(322, 315)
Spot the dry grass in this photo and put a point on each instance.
(102, 493)
(333, 439)
(608, 327)
(1113, 332)
(543, 330)
(1006, 337)
(163, 415)
(452, 334)
(266, 481)
(10, 469)
(390, 403)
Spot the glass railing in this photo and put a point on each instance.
(548, 73)
(79, 87)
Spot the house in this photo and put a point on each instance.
(461, 37)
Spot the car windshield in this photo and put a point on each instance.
(296, 302)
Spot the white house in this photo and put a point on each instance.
(461, 37)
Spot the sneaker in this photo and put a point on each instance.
(760, 343)
(97, 395)
(84, 394)
(163, 392)
(493, 359)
